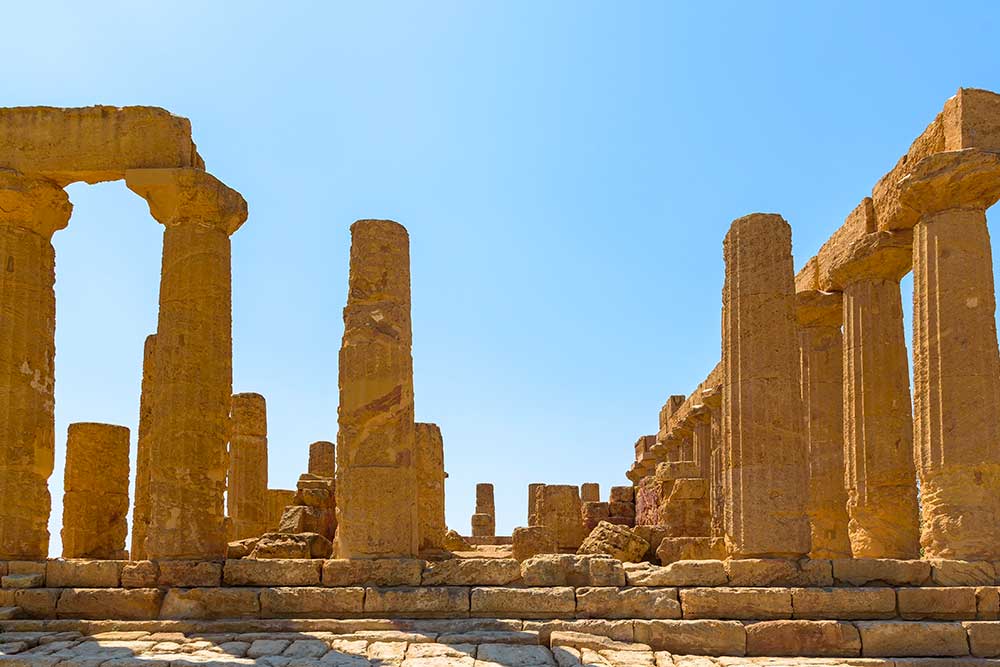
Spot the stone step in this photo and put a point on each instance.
(9, 613)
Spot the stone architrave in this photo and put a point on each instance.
(247, 490)
(956, 365)
(430, 486)
(821, 347)
(31, 211)
(193, 390)
(95, 502)
(140, 508)
(323, 459)
(764, 458)
(559, 509)
(878, 420)
(376, 465)
(484, 520)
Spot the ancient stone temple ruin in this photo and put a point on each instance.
(802, 501)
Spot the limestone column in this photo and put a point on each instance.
(878, 422)
(716, 499)
(193, 361)
(246, 499)
(376, 466)
(821, 350)
(95, 502)
(764, 458)
(956, 365)
(140, 509)
(31, 210)
(430, 486)
(484, 520)
(323, 459)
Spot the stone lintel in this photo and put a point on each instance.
(176, 196)
(815, 308)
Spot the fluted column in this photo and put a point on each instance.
(430, 486)
(821, 347)
(140, 508)
(193, 360)
(878, 423)
(376, 466)
(956, 365)
(764, 458)
(31, 210)
(246, 497)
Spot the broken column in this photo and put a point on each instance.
(764, 458)
(95, 502)
(430, 486)
(246, 497)
(558, 509)
(878, 423)
(31, 211)
(956, 365)
(193, 360)
(376, 466)
(323, 459)
(484, 520)
(821, 349)
(140, 508)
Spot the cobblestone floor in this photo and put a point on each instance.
(376, 649)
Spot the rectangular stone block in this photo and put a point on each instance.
(570, 570)
(941, 604)
(373, 572)
(140, 574)
(803, 639)
(737, 603)
(189, 573)
(779, 572)
(311, 602)
(417, 601)
(83, 573)
(987, 603)
(962, 573)
(617, 630)
(680, 573)
(471, 572)
(550, 602)
(208, 603)
(38, 602)
(844, 603)
(883, 639)
(880, 571)
(622, 494)
(26, 567)
(693, 637)
(272, 572)
(984, 638)
(114, 603)
(631, 602)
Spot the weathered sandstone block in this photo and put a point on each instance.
(140, 507)
(680, 573)
(844, 603)
(764, 461)
(31, 210)
(956, 365)
(193, 389)
(484, 520)
(820, 316)
(532, 541)
(247, 489)
(594, 513)
(548, 602)
(616, 541)
(102, 603)
(779, 572)
(417, 602)
(323, 459)
(737, 603)
(590, 492)
(311, 602)
(205, 603)
(868, 571)
(602, 602)
(377, 512)
(140, 574)
(938, 604)
(558, 508)
(471, 572)
(693, 637)
(568, 570)
(430, 486)
(455, 542)
(483, 525)
(984, 639)
(83, 573)
(284, 545)
(189, 574)
(274, 572)
(533, 503)
(95, 503)
(672, 549)
(803, 638)
(962, 573)
(904, 639)
(375, 572)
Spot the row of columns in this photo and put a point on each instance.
(187, 374)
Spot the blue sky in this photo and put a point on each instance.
(567, 171)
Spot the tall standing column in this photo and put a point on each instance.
(246, 496)
(31, 210)
(376, 466)
(764, 450)
(193, 360)
(95, 503)
(956, 365)
(140, 508)
(430, 486)
(712, 398)
(878, 423)
(821, 347)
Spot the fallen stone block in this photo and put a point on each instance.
(616, 541)
(291, 546)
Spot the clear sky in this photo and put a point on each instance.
(567, 171)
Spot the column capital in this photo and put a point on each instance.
(815, 308)
(188, 195)
(36, 204)
(876, 256)
(967, 178)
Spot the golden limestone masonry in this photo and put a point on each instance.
(805, 500)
